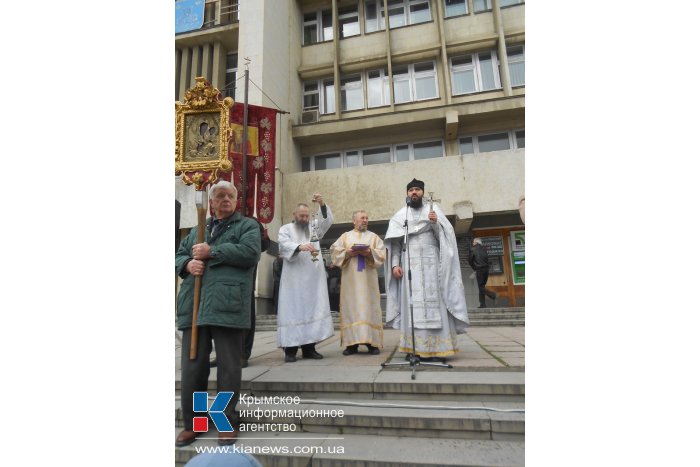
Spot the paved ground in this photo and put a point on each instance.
(481, 348)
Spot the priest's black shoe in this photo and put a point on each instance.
(373, 350)
(290, 358)
(350, 350)
(315, 355)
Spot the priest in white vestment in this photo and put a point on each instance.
(359, 253)
(303, 310)
(439, 303)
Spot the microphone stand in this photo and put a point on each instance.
(413, 359)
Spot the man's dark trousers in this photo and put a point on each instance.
(481, 278)
(195, 373)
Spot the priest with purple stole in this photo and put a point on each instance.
(359, 253)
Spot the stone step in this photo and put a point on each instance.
(429, 419)
(431, 384)
(357, 450)
(477, 317)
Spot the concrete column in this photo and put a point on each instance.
(206, 62)
(336, 56)
(196, 63)
(178, 64)
(502, 56)
(388, 54)
(185, 65)
(447, 87)
(218, 79)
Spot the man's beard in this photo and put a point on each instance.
(301, 225)
(361, 228)
(417, 203)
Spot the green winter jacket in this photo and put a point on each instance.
(227, 283)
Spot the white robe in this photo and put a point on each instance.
(303, 310)
(439, 303)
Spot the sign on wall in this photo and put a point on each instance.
(493, 245)
(189, 15)
(517, 256)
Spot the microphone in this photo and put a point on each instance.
(408, 200)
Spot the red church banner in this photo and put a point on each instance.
(261, 159)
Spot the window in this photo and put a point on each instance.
(401, 13)
(456, 8)
(352, 158)
(505, 3)
(475, 72)
(482, 5)
(328, 97)
(330, 161)
(494, 142)
(351, 97)
(348, 22)
(425, 79)
(503, 141)
(427, 150)
(319, 95)
(371, 156)
(311, 100)
(378, 88)
(516, 65)
(402, 153)
(312, 32)
(231, 75)
(466, 145)
(415, 82)
(376, 156)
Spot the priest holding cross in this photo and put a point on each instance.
(437, 292)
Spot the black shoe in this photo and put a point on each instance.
(482, 306)
(373, 350)
(350, 350)
(314, 355)
(408, 357)
(288, 358)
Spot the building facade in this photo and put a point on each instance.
(435, 90)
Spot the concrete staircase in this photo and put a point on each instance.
(477, 317)
(469, 418)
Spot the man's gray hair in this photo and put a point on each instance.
(301, 205)
(222, 184)
(478, 240)
(357, 212)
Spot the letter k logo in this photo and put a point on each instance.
(216, 411)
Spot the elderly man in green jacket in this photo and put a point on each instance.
(226, 261)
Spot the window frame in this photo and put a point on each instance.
(384, 86)
(321, 87)
(411, 78)
(360, 152)
(320, 29)
(363, 104)
(509, 48)
(466, 7)
(345, 15)
(476, 65)
(512, 141)
(405, 6)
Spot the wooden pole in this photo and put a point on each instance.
(201, 223)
